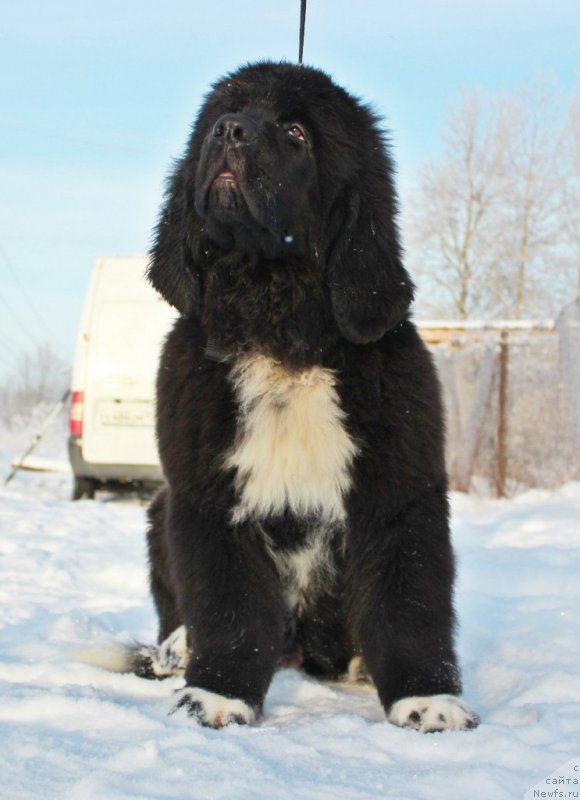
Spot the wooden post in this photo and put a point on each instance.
(501, 476)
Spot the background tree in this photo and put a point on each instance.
(449, 221)
(571, 147)
(529, 207)
(38, 377)
(491, 226)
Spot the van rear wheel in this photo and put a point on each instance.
(84, 487)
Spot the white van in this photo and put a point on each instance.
(112, 414)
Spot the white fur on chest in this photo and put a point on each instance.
(308, 570)
(291, 449)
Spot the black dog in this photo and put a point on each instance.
(299, 419)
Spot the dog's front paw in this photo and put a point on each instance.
(439, 712)
(173, 654)
(213, 710)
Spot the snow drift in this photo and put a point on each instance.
(73, 574)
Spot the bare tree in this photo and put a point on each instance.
(38, 377)
(571, 146)
(529, 207)
(485, 229)
(450, 223)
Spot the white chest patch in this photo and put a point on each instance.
(308, 570)
(291, 450)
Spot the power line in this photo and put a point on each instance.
(38, 316)
(11, 360)
(9, 343)
(82, 139)
(18, 321)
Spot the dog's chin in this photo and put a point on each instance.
(233, 226)
(246, 236)
(225, 201)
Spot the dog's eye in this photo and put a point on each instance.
(296, 132)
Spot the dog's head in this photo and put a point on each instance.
(284, 164)
(256, 184)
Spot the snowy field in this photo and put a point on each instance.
(73, 573)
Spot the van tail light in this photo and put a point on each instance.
(75, 422)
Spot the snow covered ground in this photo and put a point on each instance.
(73, 573)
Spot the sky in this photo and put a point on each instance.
(97, 99)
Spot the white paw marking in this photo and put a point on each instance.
(439, 712)
(173, 654)
(357, 672)
(213, 710)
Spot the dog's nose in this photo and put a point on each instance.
(235, 129)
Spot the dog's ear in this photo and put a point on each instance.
(371, 290)
(172, 270)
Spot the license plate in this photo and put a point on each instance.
(126, 414)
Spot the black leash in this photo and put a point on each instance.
(302, 24)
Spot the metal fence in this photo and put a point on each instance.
(512, 395)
